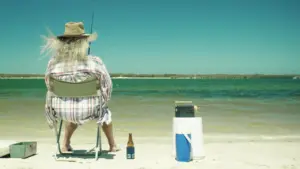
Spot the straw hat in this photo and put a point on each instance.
(74, 29)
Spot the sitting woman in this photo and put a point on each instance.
(70, 62)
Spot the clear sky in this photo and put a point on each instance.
(161, 36)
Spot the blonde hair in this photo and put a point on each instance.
(68, 50)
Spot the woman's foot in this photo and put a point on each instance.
(67, 149)
(114, 149)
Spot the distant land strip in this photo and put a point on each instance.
(166, 76)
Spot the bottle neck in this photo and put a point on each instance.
(130, 137)
(130, 140)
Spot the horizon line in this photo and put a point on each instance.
(165, 74)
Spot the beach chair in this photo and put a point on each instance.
(86, 88)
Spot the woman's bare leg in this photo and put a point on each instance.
(69, 130)
(108, 130)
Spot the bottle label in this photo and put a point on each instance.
(130, 153)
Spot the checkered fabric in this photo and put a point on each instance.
(78, 110)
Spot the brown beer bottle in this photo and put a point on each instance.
(130, 153)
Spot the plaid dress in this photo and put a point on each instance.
(79, 110)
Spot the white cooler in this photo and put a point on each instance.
(191, 125)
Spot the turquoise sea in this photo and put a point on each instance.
(145, 107)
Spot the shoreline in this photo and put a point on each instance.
(150, 78)
(169, 76)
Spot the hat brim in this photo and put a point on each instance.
(73, 36)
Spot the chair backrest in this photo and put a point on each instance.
(85, 88)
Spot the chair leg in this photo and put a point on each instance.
(98, 143)
(56, 133)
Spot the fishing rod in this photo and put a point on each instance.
(91, 32)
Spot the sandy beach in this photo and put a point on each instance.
(156, 154)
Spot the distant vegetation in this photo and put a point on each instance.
(169, 76)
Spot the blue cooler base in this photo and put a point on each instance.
(183, 148)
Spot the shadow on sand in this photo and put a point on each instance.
(83, 154)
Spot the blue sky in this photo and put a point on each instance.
(161, 36)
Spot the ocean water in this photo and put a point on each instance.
(145, 107)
